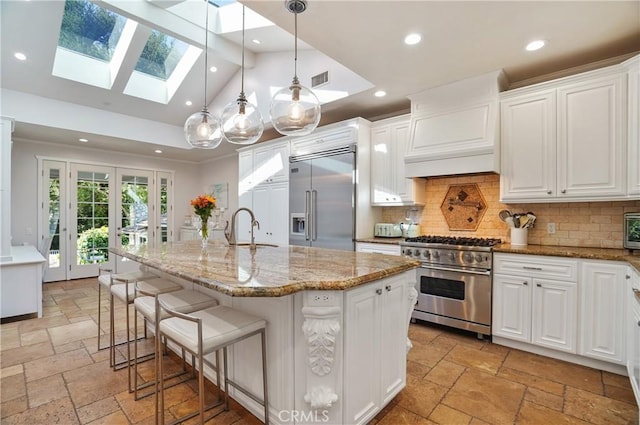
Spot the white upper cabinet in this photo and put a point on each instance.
(592, 137)
(633, 66)
(566, 139)
(389, 186)
(529, 146)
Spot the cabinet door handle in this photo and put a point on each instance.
(549, 192)
(525, 283)
(379, 291)
(628, 277)
(532, 268)
(388, 288)
(563, 191)
(538, 285)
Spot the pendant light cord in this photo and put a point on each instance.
(206, 49)
(242, 69)
(295, 49)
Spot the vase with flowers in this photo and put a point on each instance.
(203, 207)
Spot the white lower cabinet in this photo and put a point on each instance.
(537, 311)
(564, 305)
(602, 312)
(375, 346)
(530, 307)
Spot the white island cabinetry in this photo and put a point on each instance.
(374, 347)
(379, 248)
(337, 323)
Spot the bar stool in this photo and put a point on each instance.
(106, 278)
(204, 332)
(183, 301)
(126, 293)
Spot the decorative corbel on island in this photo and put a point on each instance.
(332, 317)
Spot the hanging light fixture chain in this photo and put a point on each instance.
(242, 69)
(206, 49)
(295, 48)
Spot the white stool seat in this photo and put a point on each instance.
(220, 326)
(105, 279)
(151, 286)
(183, 301)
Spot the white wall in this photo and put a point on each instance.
(222, 170)
(24, 180)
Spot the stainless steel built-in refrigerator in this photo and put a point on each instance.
(322, 199)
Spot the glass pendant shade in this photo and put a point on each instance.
(295, 110)
(241, 122)
(202, 130)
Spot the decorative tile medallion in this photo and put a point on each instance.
(463, 207)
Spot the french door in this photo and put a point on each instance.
(54, 235)
(87, 208)
(92, 219)
(136, 221)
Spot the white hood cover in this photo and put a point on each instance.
(455, 128)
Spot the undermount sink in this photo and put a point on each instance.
(245, 244)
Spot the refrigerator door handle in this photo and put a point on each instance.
(307, 215)
(314, 213)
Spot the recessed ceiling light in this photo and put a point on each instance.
(213, 69)
(158, 151)
(380, 93)
(256, 41)
(535, 45)
(412, 39)
(83, 140)
(188, 103)
(20, 56)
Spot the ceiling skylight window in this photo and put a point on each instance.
(92, 44)
(161, 55)
(90, 30)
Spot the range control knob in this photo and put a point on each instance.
(480, 258)
(426, 253)
(468, 257)
(436, 254)
(452, 255)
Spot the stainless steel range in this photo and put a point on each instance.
(454, 281)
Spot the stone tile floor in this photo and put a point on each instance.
(52, 372)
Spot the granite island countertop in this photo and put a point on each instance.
(269, 271)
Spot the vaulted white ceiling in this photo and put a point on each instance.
(358, 42)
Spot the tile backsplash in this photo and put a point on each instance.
(592, 224)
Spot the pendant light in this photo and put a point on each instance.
(241, 120)
(295, 110)
(202, 130)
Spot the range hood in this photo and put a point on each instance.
(454, 128)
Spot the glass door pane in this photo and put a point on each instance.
(53, 245)
(136, 225)
(92, 219)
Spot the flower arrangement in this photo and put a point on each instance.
(203, 207)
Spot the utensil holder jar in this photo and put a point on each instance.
(519, 236)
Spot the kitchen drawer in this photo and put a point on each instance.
(536, 266)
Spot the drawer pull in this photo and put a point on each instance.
(525, 283)
(538, 285)
(532, 268)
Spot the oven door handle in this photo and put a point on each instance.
(447, 269)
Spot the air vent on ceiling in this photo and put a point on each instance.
(320, 79)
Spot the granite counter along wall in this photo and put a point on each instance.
(589, 224)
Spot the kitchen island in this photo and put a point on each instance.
(337, 322)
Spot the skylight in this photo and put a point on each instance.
(161, 55)
(90, 30)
